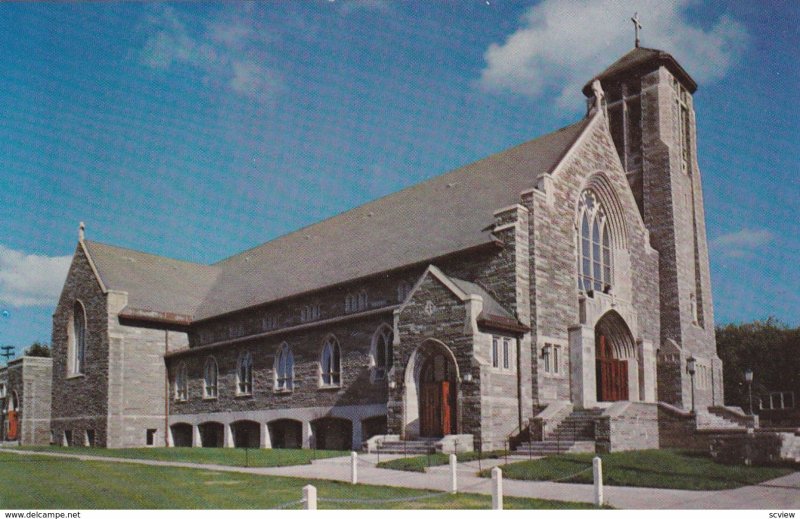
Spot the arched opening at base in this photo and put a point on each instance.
(333, 433)
(212, 434)
(286, 434)
(373, 426)
(615, 359)
(181, 435)
(246, 434)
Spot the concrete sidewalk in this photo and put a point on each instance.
(782, 493)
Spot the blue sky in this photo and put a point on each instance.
(198, 130)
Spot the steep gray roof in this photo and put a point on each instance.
(153, 283)
(443, 215)
(490, 304)
(641, 60)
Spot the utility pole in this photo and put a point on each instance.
(8, 352)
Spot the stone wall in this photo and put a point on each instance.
(628, 426)
(555, 294)
(80, 402)
(31, 378)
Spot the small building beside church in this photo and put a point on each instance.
(562, 281)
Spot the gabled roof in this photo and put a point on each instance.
(444, 215)
(153, 283)
(641, 61)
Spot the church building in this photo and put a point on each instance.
(562, 284)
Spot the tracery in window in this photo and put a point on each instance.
(181, 383)
(330, 363)
(244, 374)
(382, 352)
(284, 369)
(594, 246)
(210, 376)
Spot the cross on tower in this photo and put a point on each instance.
(636, 26)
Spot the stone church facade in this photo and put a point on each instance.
(563, 278)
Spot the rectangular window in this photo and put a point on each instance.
(495, 352)
(546, 355)
(151, 437)
(556, 355)
(506, 353)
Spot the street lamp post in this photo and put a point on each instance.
(748, 377)
(690, 367)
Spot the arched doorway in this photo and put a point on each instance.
(332, 433)
(437, 396)
(181, 435)
(615, 359)
(286, 433)
(246, 434)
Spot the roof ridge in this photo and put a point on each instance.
(150, 254)
(452, 172)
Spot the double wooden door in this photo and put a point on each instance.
(437, 397)
(437, 413)
(612, 374)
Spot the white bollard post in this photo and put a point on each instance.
(453, 477)
(310, 497)
(597, 472)
(497, 488)
(353, 467)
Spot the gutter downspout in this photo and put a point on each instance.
(519, 384)
(166, 390)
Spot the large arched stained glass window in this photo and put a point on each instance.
(594, 247)
(330, 363)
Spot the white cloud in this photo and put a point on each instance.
(254, 80)
(29, 279)
(564, 43)
(741, 243)
(214, 52)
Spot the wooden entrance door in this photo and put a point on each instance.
(437, 398)
(612, 374)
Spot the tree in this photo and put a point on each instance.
(770, 348)
(38, 349)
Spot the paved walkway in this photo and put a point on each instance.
(779, 494)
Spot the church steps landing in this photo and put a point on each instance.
(575, 433)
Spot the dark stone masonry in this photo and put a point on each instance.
(561, 283)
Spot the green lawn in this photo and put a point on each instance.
(233, 457)
(420, 463)
(39, 482)
(649, 468)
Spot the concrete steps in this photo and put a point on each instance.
(575, 433)
(414, 447)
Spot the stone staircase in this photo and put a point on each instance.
(575, 433)
(709, 420)
(411, 447)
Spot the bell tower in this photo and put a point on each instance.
(649, 103)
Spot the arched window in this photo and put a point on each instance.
(244, 374)
(330, 363)
(594, 245)
(181, 383)
(284, 369)
(210, 375)
(76, 341)
(382, 352)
